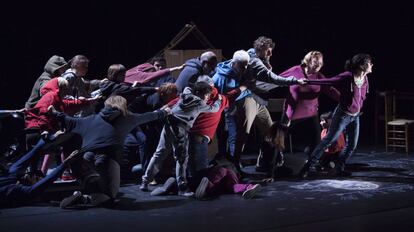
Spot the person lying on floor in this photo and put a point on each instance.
(18, 188)
(221, 178)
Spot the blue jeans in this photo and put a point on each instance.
(11, 193)
(340, 122)
(135, 143)
(231, 128)
(173, 138)
(198, 153)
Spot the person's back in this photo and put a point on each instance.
(203, 65)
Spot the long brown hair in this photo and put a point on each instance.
(119, 103)
(276, 135)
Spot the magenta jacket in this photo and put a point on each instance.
(352, 97)
(144, 73)
(302, 101)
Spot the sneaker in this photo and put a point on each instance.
(201, 189)
(137, 169)
(165, 189)
(153, 183)
(76, 198)
(99, 199)
(186, 193)
(144, 186)
(67, 176)
(251, 191)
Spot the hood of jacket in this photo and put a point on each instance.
(54, 64)
(109, 114)
(194, 63)
(188, 100)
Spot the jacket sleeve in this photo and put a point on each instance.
(68, 122)
(144, 77)
(328, 81)
(204, 108)
(264, 74)
(139, 119)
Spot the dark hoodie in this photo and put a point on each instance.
(192, 70)
(106, 129)
(51, 70)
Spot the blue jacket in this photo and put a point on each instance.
(227, 79)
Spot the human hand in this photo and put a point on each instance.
(302, 81)
(177, 68)
(51, 109)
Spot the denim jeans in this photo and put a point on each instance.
(11, 193)
(173, 138)
(340, 122)
(198, 153)
(231, 128)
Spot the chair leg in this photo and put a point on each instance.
(386, 138)
(406, 138)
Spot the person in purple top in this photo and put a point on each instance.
(301, 107)
(353, 87)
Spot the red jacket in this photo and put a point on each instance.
(206, 123)
(51, 85)
(38, 116)
(142, 73)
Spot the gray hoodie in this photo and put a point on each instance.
(51, 70)
(190, 106)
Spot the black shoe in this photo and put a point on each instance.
(76, 198)
(308, 170)
(144, 186)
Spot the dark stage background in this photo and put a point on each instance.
(130, 33)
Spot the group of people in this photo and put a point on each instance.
(143, 115)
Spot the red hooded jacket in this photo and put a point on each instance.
(38, 116)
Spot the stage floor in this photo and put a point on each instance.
(378, 197)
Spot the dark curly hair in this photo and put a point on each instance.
(262, 43)
(358, 62)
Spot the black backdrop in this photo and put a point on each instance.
(131, 32)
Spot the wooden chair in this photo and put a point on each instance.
(398, 131)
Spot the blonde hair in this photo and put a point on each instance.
(309, 56)
(119, 103)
